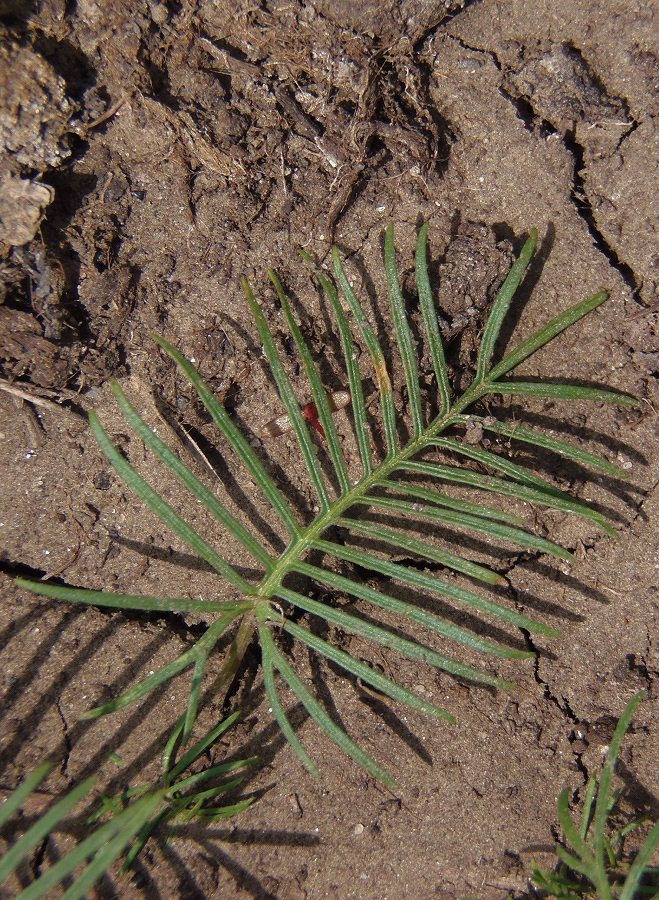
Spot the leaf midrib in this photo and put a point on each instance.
(300, 544)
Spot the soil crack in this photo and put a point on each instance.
(66, 738)
(535, 122)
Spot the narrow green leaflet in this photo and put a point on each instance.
(198, 651)
(273, 699)
(433, 334)
(437, 586)
(480, 525)
(501, 307)
(317, 390)
(329, 726)
(196, 487)
(376, 633)
(552, 498)
(352, 369)
(560, 392)
(375, 350)
(289, 400)
(548, 442)
(131, 601)
(234, 436)
(403, 333)
(498, 463)
(366, 673)
(162, 509)
(439, 498)
(548, 333)
(201, 746)
(422, 548)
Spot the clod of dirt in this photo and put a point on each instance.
(34, 111)
(22, 204)
(474, 268)
(24, 351)
(561, 88)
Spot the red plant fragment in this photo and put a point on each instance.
(282, 424)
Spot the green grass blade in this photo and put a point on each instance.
(234, 436)
(196, 802)
(329, 726)
(638, 867)
(543, 880)
(143, 835)
(366, 673)
(577, 865)
(289, 400)
(440, 499)
(571, 832)
(226, 812)
(131, 601)
(547, 442)
(162, 817)
(436, 586)
(317, 390)
(554, 884)
(163, 510)
(433, 334)
(201, 746)
(560, 392)
(193, 781)
(404, 542)
(501, 306)
(42, 828)
(267, 644)
(586, 813)
(602, 808)
(111, 848)
(186, 477)
(610, 855)
(547, 333)
(471, 523)
(376, 633)
(213, 772)
(558, 500)
(352, 368)
(375, 351)
(16, 799)
(403, 333)
(172, 745)
(193, 699)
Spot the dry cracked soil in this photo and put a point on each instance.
(153, 154)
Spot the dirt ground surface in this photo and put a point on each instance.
(153, 155)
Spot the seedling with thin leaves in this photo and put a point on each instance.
(592, 859)
(132, 817)
(389, 484)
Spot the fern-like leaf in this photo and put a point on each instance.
(386, 486)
